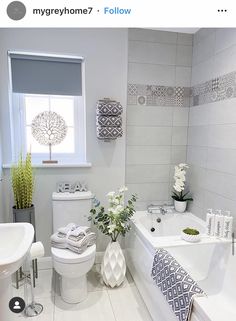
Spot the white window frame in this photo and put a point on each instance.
(18, 124)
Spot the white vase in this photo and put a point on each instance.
(180, 206)
(113, 267)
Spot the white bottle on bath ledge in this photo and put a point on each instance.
(210, 222)
(228, 225)
(219, 223)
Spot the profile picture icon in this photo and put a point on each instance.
(16, 10)
(16, 305)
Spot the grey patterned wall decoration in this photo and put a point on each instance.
(108, 119)
(219, 88)
(152, 95)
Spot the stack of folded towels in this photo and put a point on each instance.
(73, 237)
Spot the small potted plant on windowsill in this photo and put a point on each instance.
(22, 179)
(180, 197)
(114, 222)
(190, 235)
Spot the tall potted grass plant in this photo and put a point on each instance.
(22, 179)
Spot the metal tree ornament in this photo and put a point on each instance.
(49, 128)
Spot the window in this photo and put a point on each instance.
(35, 88)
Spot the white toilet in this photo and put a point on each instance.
(72, 267)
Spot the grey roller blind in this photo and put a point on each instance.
(34, 74)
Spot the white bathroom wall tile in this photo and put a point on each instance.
(197, 176)
(152, 53)
(147, 173)
(96, 307)
(198, 195)
(128, 305)
(198, 135)
(221, 183)
(149, 191)
(179, 135)
(180, 116)
(225, 38)
(197, 210)
(178, 154)
(150, 115)
(201, 34)
(152, 35)
(204, 49)
(162, 75)
(222, 112)
(223, 160)
(183, 76)
(137, 155)
(224, 61)
(143, 135)
(197, 155)
(184, 55)
(222, 136)
(185, 39)
(199, 115)
(203, 71)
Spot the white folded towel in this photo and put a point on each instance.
(63, 231)
(76, 238)
(79, 233)
(82, 240)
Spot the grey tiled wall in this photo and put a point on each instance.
(212, 122)
(159, 77)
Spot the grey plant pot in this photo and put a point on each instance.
(25, 215)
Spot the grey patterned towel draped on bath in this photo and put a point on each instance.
(175, 284)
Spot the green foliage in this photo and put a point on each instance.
(191, 231)
(22, 179)
(114, 221)
(181, 197)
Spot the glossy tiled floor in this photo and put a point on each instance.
(102, 304)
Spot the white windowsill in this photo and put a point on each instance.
(59, 165)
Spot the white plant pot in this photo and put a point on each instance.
(180, 206)
(190, 238)
(113, 267)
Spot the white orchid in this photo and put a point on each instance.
(180, 179)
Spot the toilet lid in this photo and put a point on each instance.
(67, 256)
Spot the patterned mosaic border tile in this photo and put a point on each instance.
(150, 95)
(220, 88)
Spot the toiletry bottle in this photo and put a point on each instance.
(210, 222)
(228, 225)
(219, 222)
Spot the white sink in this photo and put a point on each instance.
(15, 242)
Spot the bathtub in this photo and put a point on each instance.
(209, 262)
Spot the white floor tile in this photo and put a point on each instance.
(128, 305)
(96, 307)
(46, 315)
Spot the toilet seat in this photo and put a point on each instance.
(69, 257)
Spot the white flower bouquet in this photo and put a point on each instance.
(115, 220)
(179, 186)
